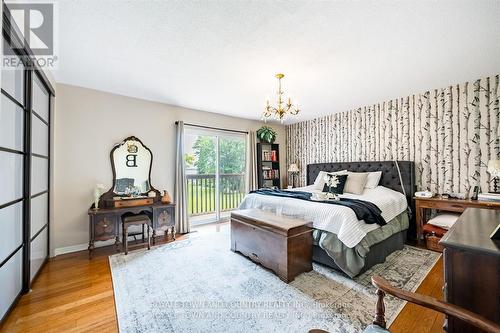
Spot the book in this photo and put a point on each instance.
(266, 155)
(274, 156)
(270, 174)
(488, 197)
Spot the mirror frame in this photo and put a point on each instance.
(110, 194)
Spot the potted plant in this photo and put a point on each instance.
(266, 134)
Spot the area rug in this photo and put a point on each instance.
(199, 285)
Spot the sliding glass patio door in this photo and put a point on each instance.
(215, 172)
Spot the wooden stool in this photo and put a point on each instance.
(142, 220)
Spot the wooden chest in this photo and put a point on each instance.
(282, 244)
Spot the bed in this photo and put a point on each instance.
(340, 240)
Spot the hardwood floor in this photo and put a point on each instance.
(417, 319)
(75, 294)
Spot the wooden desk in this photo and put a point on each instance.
(104, 223)
(423, 205)
(472, 267)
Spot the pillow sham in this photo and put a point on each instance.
(373, 179)
(356, 182)
(320, 179)
(340, 186)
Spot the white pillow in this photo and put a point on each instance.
(445, 221)
(373, 179)
(356, 182)
(320, 180)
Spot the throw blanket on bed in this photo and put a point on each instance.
(364, 210)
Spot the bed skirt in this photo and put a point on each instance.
(377, 254)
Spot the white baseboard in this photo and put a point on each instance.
(80, 247)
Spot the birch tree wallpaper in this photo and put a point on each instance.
(450, 133)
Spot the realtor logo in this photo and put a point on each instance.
(35, 21)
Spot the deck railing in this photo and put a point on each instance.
(201, 192)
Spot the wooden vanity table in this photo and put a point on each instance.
(131, 194)
(105, 223)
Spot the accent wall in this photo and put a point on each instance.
(450, 133)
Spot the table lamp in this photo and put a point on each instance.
(293, 169)
(494, 171)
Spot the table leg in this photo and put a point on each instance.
(149, 240)
(91, 248)
(125, 239)
(117, 243)
(154, 236)
(172, 230)
(419, 220)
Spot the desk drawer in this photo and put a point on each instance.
(448, 206)
(104, 226)
(163, 217)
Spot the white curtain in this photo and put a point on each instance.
(182, 220)
(251, 181)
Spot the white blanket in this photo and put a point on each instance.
(337, 219)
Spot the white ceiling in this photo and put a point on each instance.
(221, 56)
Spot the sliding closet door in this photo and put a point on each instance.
(24, 166)
(12, 136)
(40, 129)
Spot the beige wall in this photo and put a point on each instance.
(87, 124)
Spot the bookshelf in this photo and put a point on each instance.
(268, 165)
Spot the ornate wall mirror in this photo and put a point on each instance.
(131, 162)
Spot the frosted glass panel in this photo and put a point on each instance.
(39, 137)
(11, 177)
(40, 99)
(38, 252)
(11, 125)
(10, 276)
(39, 175)
(13, 80)
(11, 221)
(39, 207)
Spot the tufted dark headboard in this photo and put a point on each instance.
(390, 177)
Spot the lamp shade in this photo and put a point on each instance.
(494, 168)
(293, 168)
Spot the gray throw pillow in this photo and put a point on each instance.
(356, 182)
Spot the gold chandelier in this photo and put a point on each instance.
(282, 109)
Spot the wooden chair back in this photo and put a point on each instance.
(383, 287)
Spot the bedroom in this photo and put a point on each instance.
(247, 166)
